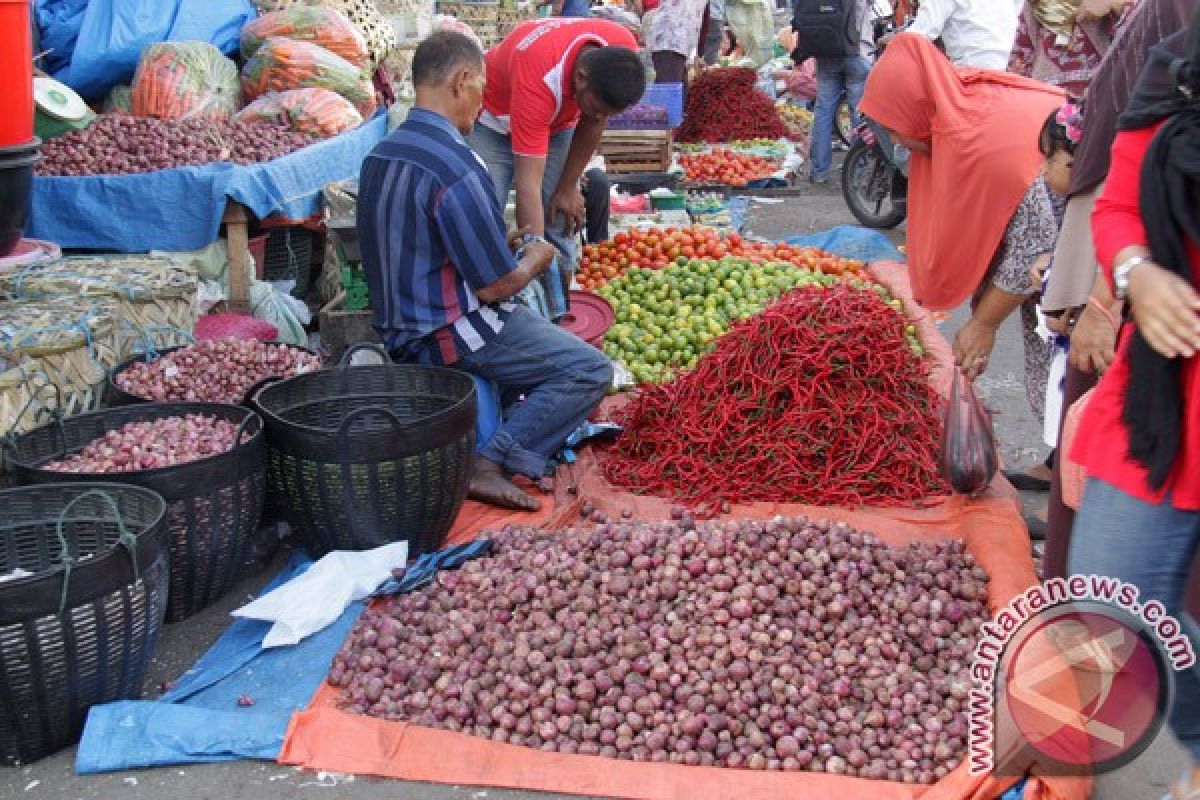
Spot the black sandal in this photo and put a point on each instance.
(1024, 482)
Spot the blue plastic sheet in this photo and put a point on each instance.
(851, 241)
(58, 23)
(113, 33)
(180, 209)
(200, 720)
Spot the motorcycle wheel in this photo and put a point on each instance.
(867, 187)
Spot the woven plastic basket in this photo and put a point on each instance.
(119, 397)
(213, 505)
(80, 628)
(366, 455)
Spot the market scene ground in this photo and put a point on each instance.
(646, 399)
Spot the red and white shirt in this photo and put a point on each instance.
(529, 93)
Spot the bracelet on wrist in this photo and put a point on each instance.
(1105, 311)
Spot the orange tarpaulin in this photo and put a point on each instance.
(322, 737)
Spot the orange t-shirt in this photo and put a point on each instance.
(529, 93)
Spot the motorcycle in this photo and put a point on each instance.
(875, 177)
(875, 172)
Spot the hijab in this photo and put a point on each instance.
(1167, 92)
(983, 128)
(1149, 23)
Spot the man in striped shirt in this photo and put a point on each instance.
(441, 273)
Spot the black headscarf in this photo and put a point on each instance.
(1169, 198)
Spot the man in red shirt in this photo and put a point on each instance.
(552, 84)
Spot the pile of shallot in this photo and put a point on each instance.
(118, 144)
(784, 644)
(153, 444)
(215, 371)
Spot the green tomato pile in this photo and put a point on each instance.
(667, 319)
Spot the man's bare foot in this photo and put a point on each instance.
(490, 485)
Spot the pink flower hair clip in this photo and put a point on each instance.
(1071, 118)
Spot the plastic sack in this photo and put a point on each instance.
(185, 80)
(1072, 476)
(968, 458)
(308, 603)
(119, 100)
(282, 64)
(239, 326)
(58, 23)
(363, 14)
(320, 25)
(113, 34)
(320, 112)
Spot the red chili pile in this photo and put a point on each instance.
(819, 400)
(723, 105)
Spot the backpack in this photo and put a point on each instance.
(825, 28)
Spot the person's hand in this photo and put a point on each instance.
(1093, 341)
(973, 347)
(1037, 270)
(568, 203)
(541, 255)
(1166, 309)
(517, 236)
(1060, 324)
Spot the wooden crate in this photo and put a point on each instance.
(628, 152)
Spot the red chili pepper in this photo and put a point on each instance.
(818, 400)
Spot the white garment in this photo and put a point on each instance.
(676, 26)
(868, 12)
(977, 33)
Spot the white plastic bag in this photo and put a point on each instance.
(310, 602)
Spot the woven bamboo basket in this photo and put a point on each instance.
(68, 343)
(155, 298)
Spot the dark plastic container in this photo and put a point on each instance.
(16, 191)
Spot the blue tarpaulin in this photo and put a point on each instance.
(180, 209)
(97, 43)
(200, 720)
(851, 241)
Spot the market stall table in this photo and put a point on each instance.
(182, 209)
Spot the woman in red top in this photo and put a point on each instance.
(1140, 436)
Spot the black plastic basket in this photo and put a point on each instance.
(119, 397)
(81, 629)
(213, 505)
(362, 456)
(289, 257)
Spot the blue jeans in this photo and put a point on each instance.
(1151, 547)
(496, 151)
(833, 76)
(562, 377)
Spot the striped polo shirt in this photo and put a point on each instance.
(432, 234)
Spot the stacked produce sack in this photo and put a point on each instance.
(307, 48)
(363, 14)
(185, 80)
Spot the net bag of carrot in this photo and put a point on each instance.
(318, 112)
(320, 25)
(282, 64)
(185, 80)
